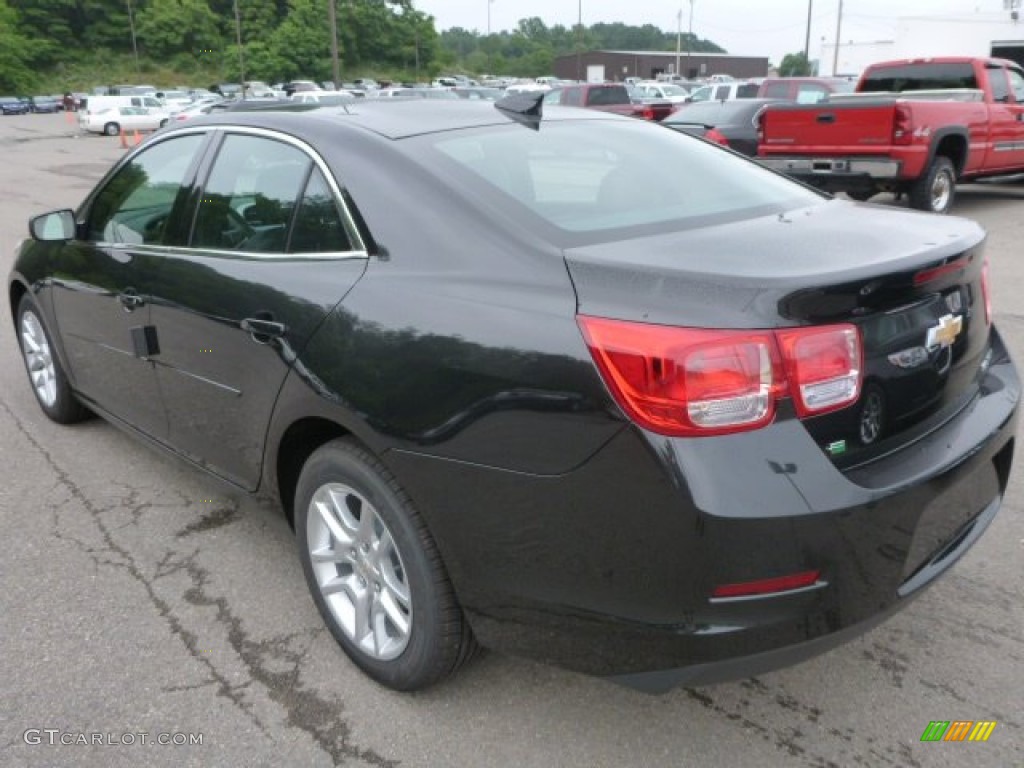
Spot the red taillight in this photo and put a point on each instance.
(934, 273)
(986, 293)
(902, 125)
(648, 113)
(691, 381)
(767, 586)
(713, 134)
(823, 366)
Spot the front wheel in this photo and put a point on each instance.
(111, 129)
(935, 190)
(374, 571)
(49, 382)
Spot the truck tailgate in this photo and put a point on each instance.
(828, 128)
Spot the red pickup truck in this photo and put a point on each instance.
(916, 126)
(609, 97)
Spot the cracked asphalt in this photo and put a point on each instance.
(137, 596)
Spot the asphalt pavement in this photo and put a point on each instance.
(138, 597)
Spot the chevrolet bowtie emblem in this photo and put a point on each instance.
(945, 333)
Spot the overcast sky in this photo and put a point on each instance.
(749, 27)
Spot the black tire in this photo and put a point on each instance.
(111, 129)
(935, 189)
(438, 640)
(64, 407)
(860, 195)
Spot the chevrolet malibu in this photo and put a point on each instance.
(566, 385)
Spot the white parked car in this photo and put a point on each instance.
(175, 101)
(663, 91)
(110, 121)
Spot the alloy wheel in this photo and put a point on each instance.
(38, 358)
(359, 571)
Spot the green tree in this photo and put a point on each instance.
(169, 27)
(302, 42)
(16, 75)
(794, 65)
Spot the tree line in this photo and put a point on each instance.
(80, 43)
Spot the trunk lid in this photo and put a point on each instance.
(911, 283)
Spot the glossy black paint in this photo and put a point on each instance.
(736, 120)
(451, 350)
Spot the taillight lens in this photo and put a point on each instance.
(823, 366)
(647, 113)
(986, 293)
(902, 125)
(713, 134)
(693, 381)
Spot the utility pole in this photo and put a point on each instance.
(332, 17)
(135, 44)
(579, 41)
(488, 41)
(839, 28)
(238, 39)
(689, 41)
(807, 39)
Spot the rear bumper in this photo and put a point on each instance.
(609, 569)
(841, 169)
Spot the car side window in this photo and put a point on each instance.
(722, 93)
(776, 90)
(250, 195)
(997, 82)
(135, 205)
(1016, 85)
(318, 225)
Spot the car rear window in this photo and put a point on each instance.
(747, 90)
(598, 178)
(919, 77)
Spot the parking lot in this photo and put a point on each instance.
(139, 597)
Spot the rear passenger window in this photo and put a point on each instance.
(250, 196)
(1017, 84)
(997, 80)
(318, 225)
(776, 90)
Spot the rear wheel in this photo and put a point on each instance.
(935, 190)
(111, 129)
(374, 571)
(49, 383)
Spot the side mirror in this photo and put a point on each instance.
(54, 226)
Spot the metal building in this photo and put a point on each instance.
(597, 66)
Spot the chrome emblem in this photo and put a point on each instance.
(945, 333)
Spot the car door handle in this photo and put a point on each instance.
(262, 330)
(827, 117)
(130, 300)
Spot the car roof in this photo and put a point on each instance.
(394, 119)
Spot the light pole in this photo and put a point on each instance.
(839, 27)
(679, 36)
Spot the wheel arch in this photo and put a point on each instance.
(951, 142)
(297, 444)
(15, 291)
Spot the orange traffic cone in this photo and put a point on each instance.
(136, 138)
(124, 140)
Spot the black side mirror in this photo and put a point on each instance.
(53, 226)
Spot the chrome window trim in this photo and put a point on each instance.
(348, 222)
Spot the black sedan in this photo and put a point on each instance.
(518, 381)
(732, 124)
(10, 105)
